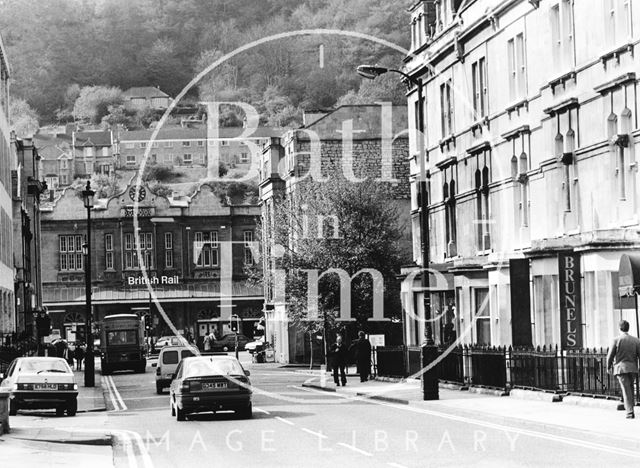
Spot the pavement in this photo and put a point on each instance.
(49, 444)
(527, 409)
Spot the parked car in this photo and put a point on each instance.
(210, 383)
(167, 341)
(168, 360)
(253, 345)
(228, 342)
(41, 382)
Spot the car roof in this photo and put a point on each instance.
(177, 348)
(41, 358)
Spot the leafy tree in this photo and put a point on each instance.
(367, 236)
(24, 120)
(94, 101)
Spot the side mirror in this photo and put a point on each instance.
(154, 364)
(247, 373)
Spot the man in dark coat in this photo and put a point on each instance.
(362, 348)
(340, 355)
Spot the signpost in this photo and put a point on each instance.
(234, 324)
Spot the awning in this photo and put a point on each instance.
(629, 274)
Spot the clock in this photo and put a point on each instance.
(142, 193)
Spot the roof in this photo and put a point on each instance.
(367, 122)
(51, 148)
(146, 92)
(93, 138)
(182, 133)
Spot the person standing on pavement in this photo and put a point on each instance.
(622, 360)
(362, 348)
(340, 354)
(79, 355)
(207, 343)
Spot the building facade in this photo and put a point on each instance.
(367, 143)
(7, 167)
(531, 123)
(193, 250)
(145, 97)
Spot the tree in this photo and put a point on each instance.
(24, 120)
(363, 234)
(94, 101)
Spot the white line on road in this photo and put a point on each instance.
(146, 459)
(112, 397)
(260, 410)
(396, 465)
(117, 394)
(355, 449)
(286, 421)
(317, 434)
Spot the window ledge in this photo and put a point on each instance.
(476, 127)
(447, 141)
(616, 53)
(516, 106)
(615, 83)
(562, 80)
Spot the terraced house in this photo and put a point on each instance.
(531, 127)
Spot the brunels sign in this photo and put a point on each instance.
(570, 301)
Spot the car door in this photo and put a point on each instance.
(9, 378)
(175, 383)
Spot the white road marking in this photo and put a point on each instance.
(355, 449)
(396, 465)
(317, 434)
(499, 427)
(112, 397)
(286, 421)
(117, 394)
(146, 459)
(260, 410)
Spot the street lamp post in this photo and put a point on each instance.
(89, 368)
(429, 350)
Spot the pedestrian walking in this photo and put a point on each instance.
(622, 360)
(362, 348)
(68, 355)
(340, 354)
(207, 343)
(79, 355)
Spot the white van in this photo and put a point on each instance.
(168, 360)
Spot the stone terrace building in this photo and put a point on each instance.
(194, 249)
(379, 149)
(7, 167)
(531, 124)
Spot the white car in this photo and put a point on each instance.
(41, 382)
(251, 346)
(168, 360)
(167, 341)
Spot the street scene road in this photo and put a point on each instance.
(294, 425)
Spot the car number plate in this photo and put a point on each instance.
(214, 385)
(45, 386)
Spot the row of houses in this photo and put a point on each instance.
(531, 124)
(68, 154)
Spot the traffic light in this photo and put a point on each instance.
(147, 322)
(234, 325)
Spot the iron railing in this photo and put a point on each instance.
(548, 368)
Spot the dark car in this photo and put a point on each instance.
(210, 383)
(228, 342)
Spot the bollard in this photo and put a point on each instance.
(430, 377)
(4, 412)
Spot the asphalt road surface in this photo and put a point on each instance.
(294, 426)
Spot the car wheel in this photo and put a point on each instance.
(180, 414)
(60, 411)
(159, 388)
(72, 407)
(246, 412)
(13, 408)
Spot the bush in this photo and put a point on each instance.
(160, 173)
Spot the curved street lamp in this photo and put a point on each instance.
(430, 351)
(89, 368)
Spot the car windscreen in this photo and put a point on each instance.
(43, 365)
(201, 367)
(122, 337)
(186, 353)
(170, 357)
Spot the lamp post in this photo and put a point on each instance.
(89, 368)
(429, 350)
